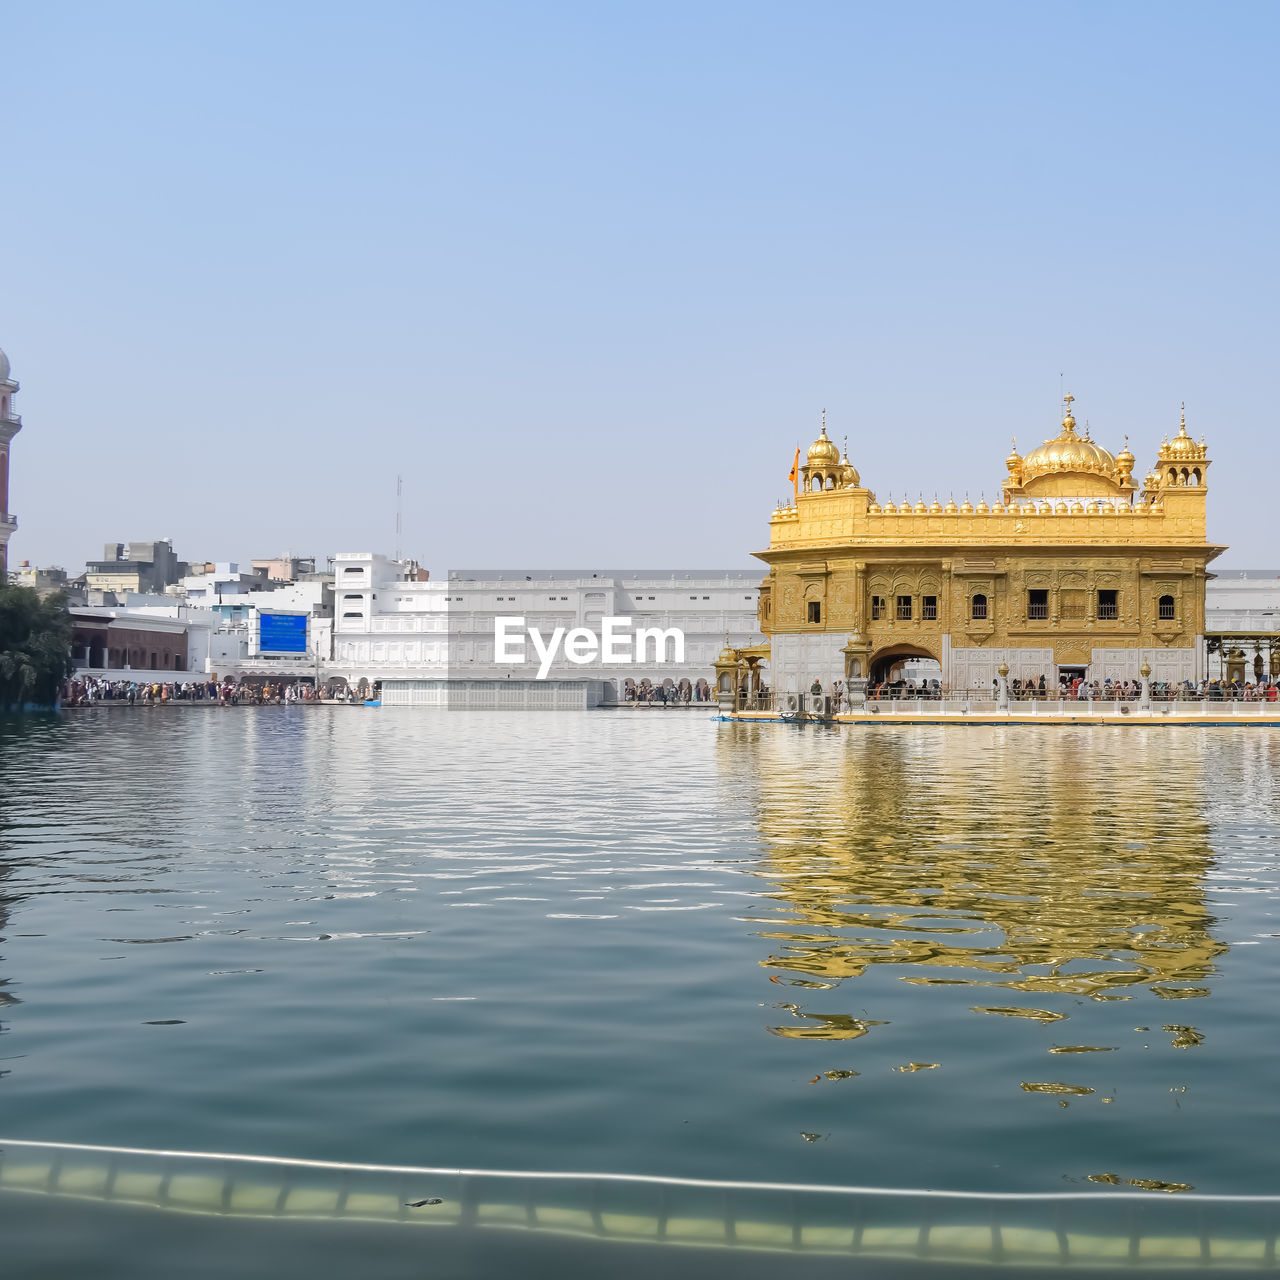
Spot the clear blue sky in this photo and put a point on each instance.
(586, 274)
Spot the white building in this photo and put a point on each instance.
(223, 581)
(433, 643)
(1242, 600)
(388, 619)
(1242, 624)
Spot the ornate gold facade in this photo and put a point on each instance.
(1076, 568)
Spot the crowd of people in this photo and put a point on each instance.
(667, 692)
(86, 690)
(1077, 689)
(886, 690)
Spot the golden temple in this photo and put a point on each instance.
(1077, 570)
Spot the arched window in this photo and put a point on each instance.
(1185, 475)
(1173, 475)
(978, 608)
(816, 484)
(1166, 609)
(1196, 477)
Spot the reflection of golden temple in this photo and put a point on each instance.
(882, 856)
(1076, 569)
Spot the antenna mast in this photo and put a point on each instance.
(399, 512)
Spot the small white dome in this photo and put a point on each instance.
(4, 367)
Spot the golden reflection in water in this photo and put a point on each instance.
(1048, 861)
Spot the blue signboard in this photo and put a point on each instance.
(282, 633)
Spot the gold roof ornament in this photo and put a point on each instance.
(1182, 448)
(848, 472)
(1068, 452)
(823, 451)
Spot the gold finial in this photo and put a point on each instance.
(846, 448)
(1067, 400)
(1183, 429)
(824, 422)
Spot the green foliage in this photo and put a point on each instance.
(35, 647)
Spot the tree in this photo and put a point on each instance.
(35, 647)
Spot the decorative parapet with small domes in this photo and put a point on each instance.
(1066, 491)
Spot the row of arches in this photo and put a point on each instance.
(1189, 477)
(665, 691)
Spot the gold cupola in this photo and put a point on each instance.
(1068, 451)
(1182, 463)
(1014, 463)
(1069, 466)
(824, 468)
(848, 472)
(823, 451)
(1182, 448)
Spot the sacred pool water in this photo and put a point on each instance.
(1033, 967)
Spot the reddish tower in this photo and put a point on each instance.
(10, 425)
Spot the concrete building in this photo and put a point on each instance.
(285, 567)
(10, 425)
(44, 582)
(1241, 599)
(132, 567)
(388, 619)
(433, 643)
(116, 646)
(207, 584)
(1242, 625)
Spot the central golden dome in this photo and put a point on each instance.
(1068, 452)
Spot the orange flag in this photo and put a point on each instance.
(794, 477)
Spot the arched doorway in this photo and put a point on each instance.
(904, 662)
